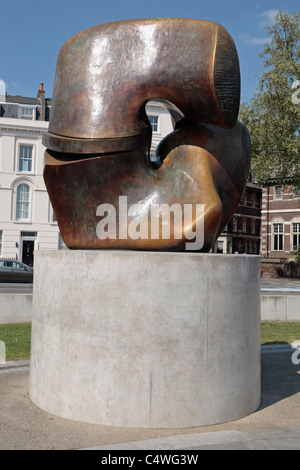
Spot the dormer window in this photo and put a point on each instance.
(27, 113)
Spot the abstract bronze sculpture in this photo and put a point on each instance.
(99, 134)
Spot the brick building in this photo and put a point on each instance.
(280, 221)
(242, 233)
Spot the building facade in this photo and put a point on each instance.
(242, 234)
(280, 231)
(27, 222)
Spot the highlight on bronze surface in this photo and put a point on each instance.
(104, 190)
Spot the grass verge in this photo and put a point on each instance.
(273, 332)
(16, 336)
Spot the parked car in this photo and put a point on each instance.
(15, 271)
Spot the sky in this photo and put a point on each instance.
(32, 32)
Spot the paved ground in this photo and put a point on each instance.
(275, 425)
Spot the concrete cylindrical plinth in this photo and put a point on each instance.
(146, 339)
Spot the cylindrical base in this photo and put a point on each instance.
(146, 339)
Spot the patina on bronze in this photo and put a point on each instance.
(99, 134)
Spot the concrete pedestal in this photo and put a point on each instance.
(146, 339)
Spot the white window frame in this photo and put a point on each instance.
(278, 193)
(61, 243)
(277, 236)
(25, 143)
(18, 214)
(21, 158)
(244, 225)
(155, 126)
(24, 113)
(295, 232)
(52, 218)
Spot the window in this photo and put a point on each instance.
(25, 158)
(22, 203)
(278, 193)
(220, 246)
(244, 225)
(252, 226)
(28, 234)
(296, 193)
(278, 237)
(27, 113)
(154, 122)
(245, 200)
(52, 217)
(296, 234)
(0, 242)
(61, 243)
(234, 225)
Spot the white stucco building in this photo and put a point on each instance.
(27, 221)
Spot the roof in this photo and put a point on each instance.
(22, 100)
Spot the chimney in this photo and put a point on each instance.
(41, 96)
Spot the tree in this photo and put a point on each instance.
(273, 113)
(296, 252)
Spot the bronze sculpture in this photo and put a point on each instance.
(99, 134)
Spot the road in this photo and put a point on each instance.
(275, 286)
(15, 288)
(280, 286)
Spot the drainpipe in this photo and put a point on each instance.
(268, 206)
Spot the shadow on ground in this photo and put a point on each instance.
(280, 377)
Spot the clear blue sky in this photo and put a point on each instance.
(32, 32)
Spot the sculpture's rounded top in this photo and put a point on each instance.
(107, 73)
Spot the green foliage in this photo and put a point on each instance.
(279, 332)
(296, 252)
(16, 337)
(272, 117)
